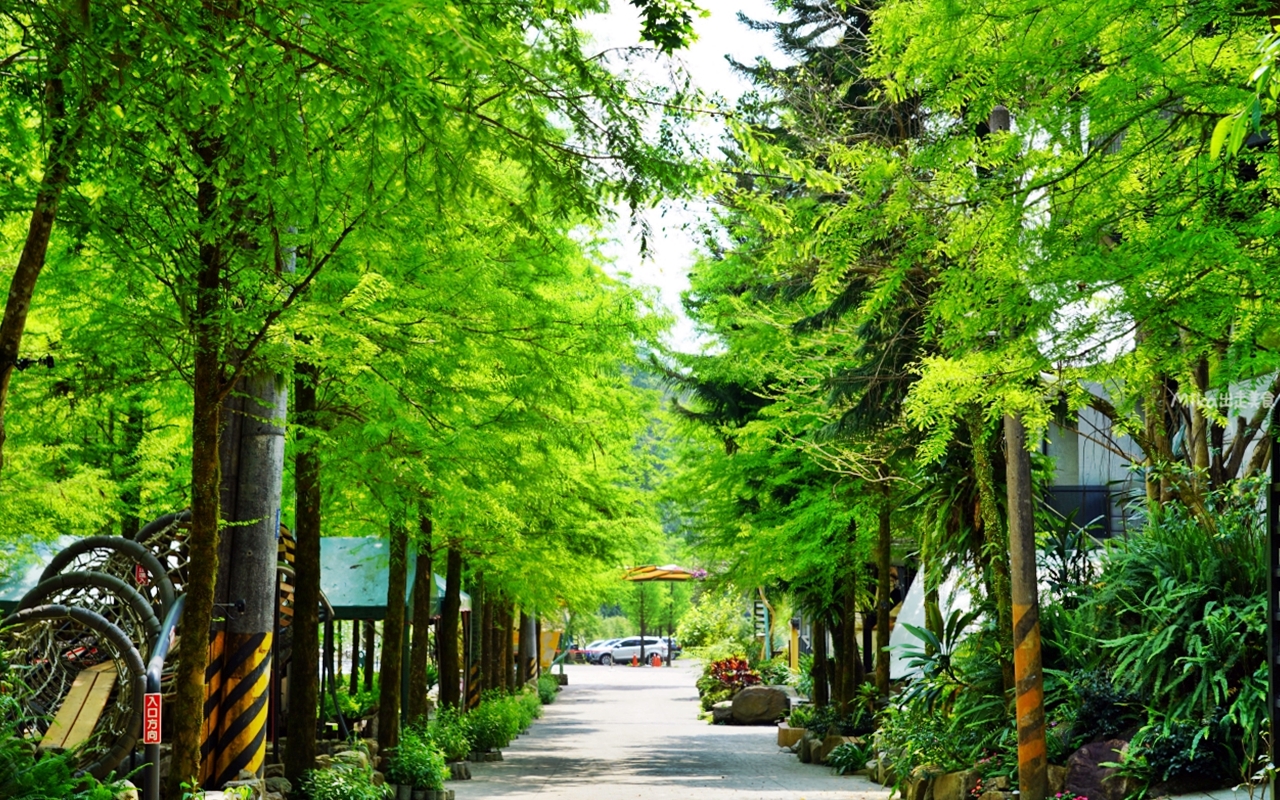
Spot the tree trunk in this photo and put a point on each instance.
(523, 655)
(839, 661)
(304, 672)
(40, 228)
(355, 658)
(202, 542)
(851, 674)
(449, 621)
(420, 656)
(508, 648)
(393, 638)
(996, 546)
(370, 648)
(537, 648)
(488, 644)
(884, 602)
(1029, 676)
(868, 642)
(821, 694)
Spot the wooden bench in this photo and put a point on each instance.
(81, 708)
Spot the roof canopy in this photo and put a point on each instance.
(353, 576)
(666, 572)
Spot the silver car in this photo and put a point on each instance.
(626, 648)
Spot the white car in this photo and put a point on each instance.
(626, 648)
(598, 649)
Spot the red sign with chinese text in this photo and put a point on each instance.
(140, 575)
(151, 719)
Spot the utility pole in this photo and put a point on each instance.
(1033, 780)
(252, 455)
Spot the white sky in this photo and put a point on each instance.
(673, 242)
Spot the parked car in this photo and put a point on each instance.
(673, 646)
(626, 648)
(593, 652)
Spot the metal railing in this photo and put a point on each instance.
(151, 770)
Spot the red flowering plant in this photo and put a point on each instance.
(733, 673)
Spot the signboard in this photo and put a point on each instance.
(151, 719)
(140, 575)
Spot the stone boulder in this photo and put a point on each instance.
(722, 712)
(760, 705)
(955, 785)
(1057, 779)
(1086, 776)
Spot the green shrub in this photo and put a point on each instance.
(775, 672)
(714, 696)
(800, 717)
(342, 782)
(448, 732)
(29, 775)
(491, 725)
(529, 706)
(353, 706)
(1187, 751)
(849, 757)
(804, 679)
(1102, 710)
(548, 686)
(713, 620)
(417, 761)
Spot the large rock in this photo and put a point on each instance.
(760, 705)
(353, 757)
(1086, 776)
(1057, 779)
(279, 785)
(955, 785)
(722, 712)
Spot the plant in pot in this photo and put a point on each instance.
(417, 766)
(448, 732)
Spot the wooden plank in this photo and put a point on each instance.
(81, 708)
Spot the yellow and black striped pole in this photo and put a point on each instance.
(236, 705)
(1032, 761)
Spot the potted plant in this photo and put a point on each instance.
(417, 767)
(791, 731)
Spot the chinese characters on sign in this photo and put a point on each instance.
(151, 719)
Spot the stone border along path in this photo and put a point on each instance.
(623, 732)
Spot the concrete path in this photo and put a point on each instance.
(622, 732)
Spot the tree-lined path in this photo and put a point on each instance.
(623, 733)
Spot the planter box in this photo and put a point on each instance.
(789, 736)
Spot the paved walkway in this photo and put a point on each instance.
(619, 732)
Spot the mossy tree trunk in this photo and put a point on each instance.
(202, 542)
(996, 541)
(393, 638)
(524, 653)
(449, 621)
(508, 654)
(488, 644)
(821, 692)
(304, 672)
(851, 674)
(884, 602)
(57, 174)
(370, 646)
(420, 654)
